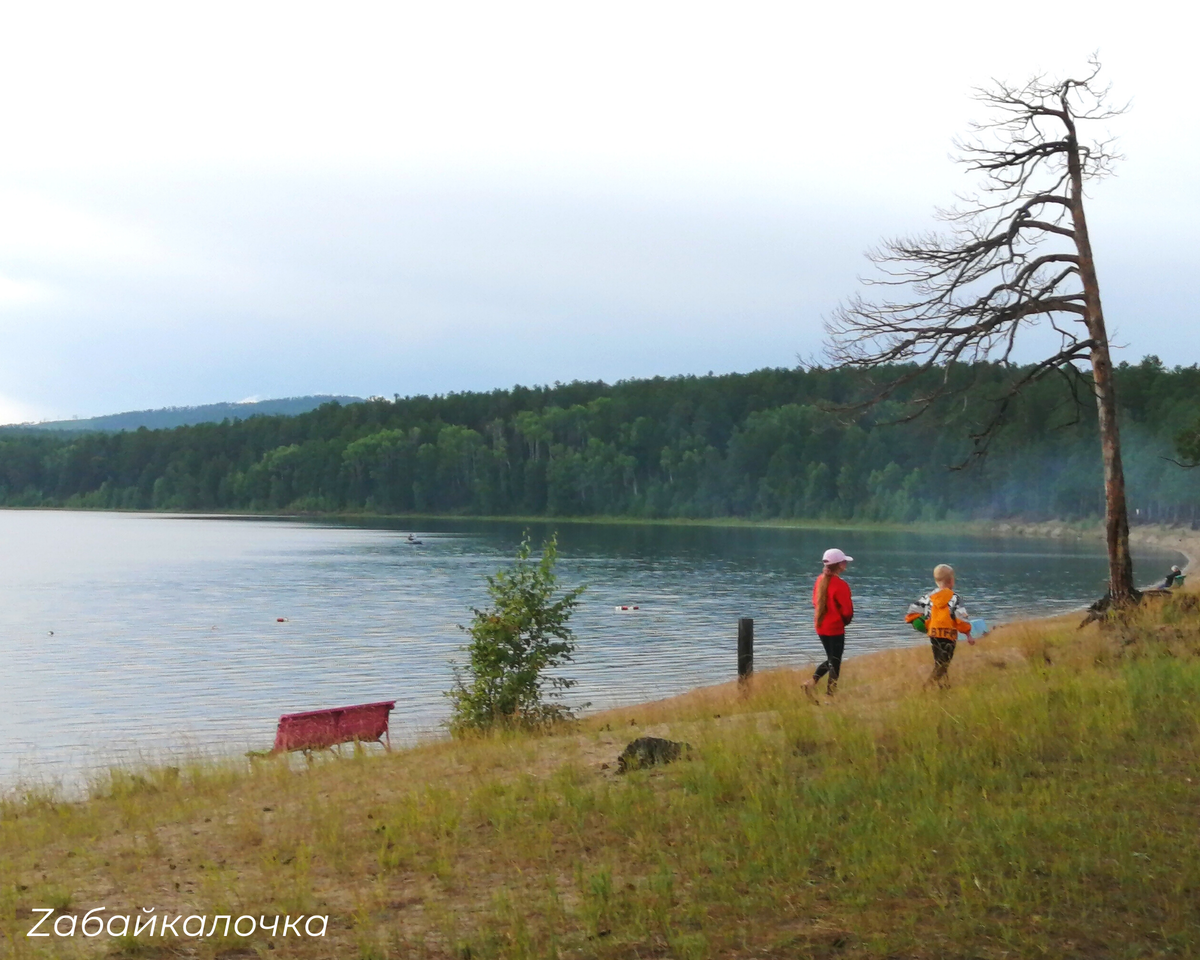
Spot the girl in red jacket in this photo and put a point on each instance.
(833, 609)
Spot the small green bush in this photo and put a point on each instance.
(514, 643)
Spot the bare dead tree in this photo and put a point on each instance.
(1015, 254)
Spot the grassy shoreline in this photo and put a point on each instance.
(1045, 806)
(736, 522)
(1150, 534)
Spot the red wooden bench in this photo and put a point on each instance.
(318, 729)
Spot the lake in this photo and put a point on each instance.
(139, 637)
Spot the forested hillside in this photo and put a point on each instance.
(766, 444)
(185, 416)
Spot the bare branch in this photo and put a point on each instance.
(971, 291)
(1014, 254)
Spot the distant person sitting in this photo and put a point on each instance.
(1172, 579)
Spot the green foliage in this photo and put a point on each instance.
(762, 444)
(515, 642)
(1187, 445)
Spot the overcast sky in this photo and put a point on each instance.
(204, 202)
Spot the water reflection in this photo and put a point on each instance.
(137, 635)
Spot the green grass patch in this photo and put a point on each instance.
(1046, 809)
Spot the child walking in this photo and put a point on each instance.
(833, 609)
(944, 618)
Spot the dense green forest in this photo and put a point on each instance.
(773, 443)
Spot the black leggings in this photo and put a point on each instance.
(834, 646)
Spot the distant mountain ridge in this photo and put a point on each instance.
(168, 417)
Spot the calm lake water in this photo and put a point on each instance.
(133, 637)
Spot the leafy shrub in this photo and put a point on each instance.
(514, 643)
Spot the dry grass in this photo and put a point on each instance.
(1046, 806)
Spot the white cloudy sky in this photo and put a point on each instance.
(204, 202)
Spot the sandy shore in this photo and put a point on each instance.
(1182, 539)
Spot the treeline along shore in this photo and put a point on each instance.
(775, 443)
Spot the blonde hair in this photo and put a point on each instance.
(943, 573)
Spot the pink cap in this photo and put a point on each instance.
(835, 555)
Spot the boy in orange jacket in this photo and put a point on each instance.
(944, 618)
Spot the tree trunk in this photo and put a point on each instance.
(1116, 516)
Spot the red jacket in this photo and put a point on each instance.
(839, 608)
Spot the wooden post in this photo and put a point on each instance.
(745, 661)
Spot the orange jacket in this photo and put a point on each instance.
(942, 613)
